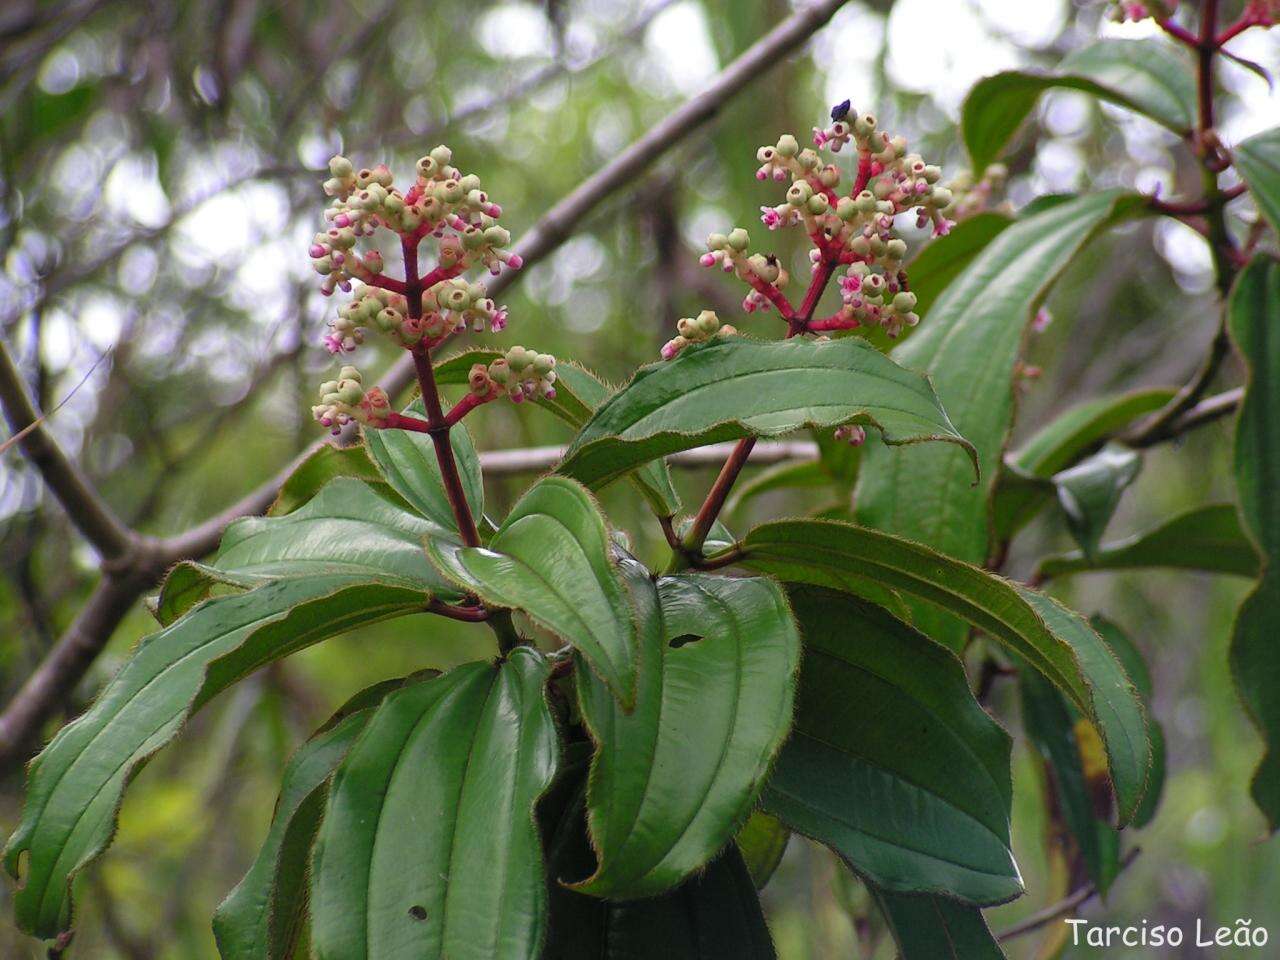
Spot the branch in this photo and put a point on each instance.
(87, 510)
(67, 663)
(1206, 411)
(1069, 905)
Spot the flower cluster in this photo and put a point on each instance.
(696, 330)
(345, 400)
(519, 373)
(443, 203)
(853, 229)
(976, 195)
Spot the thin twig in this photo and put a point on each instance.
(1069, 905)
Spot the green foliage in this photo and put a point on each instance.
(476, 747)
(732, 388)
(1255, 303)
(408, 461)
(1150, 77)
(1037, 630)
(892, 763)
(969, 348)
(550, 558)
(672, 781)
(935, 928)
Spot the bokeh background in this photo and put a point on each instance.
(159, 182)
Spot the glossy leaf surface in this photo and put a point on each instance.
(428, 846)
(735, 387)
(891, 762)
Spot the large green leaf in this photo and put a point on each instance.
(263, 916)
(969, 349)
(1152, 77)
(408, 461)
(550, 558)
(672, 781)
(733, 387)
(345, 529)
(428, 846)
(1047, 636)
(1258, 160)
(1255, 645)
(75, 785)
(1024, 488)
(578, 393)
(935, 928)
(891, 762)
(1207, 538)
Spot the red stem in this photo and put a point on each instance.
(470, 614)
(398, 421)
(1240, 26)
(773, 295)
(437, 426)
(386, 283)
(466, 405)
(1181, 34)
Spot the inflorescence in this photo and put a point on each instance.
(854, 230)
(417, 313)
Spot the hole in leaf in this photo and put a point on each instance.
(417, 912)
(680, 641)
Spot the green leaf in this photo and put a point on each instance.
(969, 348)
(408, 461)
(1251, 313)
(714, 915)
(551, 559)
(892, 763)
(578, 393)
(75, 785)
(1258, 160)
(345, 529)
(428, 846)
(734, 387)
(672, 781)
(1208, 538)
(1135, 665)
(1037, 630)
(1023, 487)
(762, 841)
(189, 582)
(328, 462)
(935, 928)
(940, 261)
(1090, 491)
(1152, 77)
(262, 917)
(801, 475)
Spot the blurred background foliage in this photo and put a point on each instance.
(159, 171)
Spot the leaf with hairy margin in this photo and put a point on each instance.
(578, 393)
(345, 529)
(762, 841)
(733, 387)
(1207, 539)
(891, 762)
(75, 785)
(1038, 630)
(969, 348)
(551, 559)
(408, 461)
(1152, 77)
(328, 462)
(428, 847)
(1251, 313)
(672, 781)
